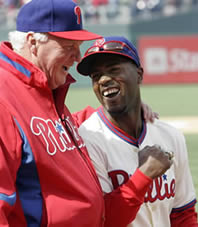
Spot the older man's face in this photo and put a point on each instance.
(55, 57)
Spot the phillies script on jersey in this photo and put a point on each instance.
(115, 156)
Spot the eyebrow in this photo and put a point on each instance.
(97, 69)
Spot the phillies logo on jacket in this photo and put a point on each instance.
(54, 134)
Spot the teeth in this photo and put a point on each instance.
(110, 91)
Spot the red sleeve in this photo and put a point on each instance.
(123, 203)
(187, 217)
(80, 116)
(10, 159)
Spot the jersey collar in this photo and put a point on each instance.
(119, 132)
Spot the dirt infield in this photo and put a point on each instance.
(188, 125)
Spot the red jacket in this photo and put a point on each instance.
(44, 177)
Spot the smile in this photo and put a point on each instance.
(110, 92)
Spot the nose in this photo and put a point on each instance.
(105, 79)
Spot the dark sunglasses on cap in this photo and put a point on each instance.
(115, 46)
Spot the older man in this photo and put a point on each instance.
(46, 176)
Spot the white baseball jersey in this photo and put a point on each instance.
(115, 156)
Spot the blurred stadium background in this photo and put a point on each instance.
(166, 35)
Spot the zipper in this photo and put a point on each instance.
(88, 162)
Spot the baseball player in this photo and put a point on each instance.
(116, 132)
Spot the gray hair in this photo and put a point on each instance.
(18, 39)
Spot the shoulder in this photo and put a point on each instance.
(82, 115)
(168, 137)
(165, 128)
(93, 129)
(92, 123)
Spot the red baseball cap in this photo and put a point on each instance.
(61, 18)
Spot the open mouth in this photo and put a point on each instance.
(111, 92)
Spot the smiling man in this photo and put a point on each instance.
(116, 134)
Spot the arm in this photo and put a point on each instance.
(123, 203)
(148, 114)
(153, 162)
(183, 214)
(184, 218)
(10, 161)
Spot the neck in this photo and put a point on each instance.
(129, 122)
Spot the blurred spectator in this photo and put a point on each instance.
(101, 10)
(146, 8)
(169, 8)
(195, 2)
(113, 9)
(10, 8)
(89, 11)
(105, 11)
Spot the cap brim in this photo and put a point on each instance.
(81, 35)
(84, 65)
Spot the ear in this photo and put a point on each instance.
(32, 43)
(140, 72)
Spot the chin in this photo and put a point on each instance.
(60, 83)
(116, 111)
(55, 86)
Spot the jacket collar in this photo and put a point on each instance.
(23, 68)
(32, 75)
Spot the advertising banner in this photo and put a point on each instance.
(169, 59)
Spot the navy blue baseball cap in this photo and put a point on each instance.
(61, 18)
(108, 45)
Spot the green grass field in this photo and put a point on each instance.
(167, 100)
(174, 100)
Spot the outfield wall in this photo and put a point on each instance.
(169, 59)
(168, 48)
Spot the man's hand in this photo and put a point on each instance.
(153, 161)
(148, 114)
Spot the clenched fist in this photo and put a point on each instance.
(154, 161)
